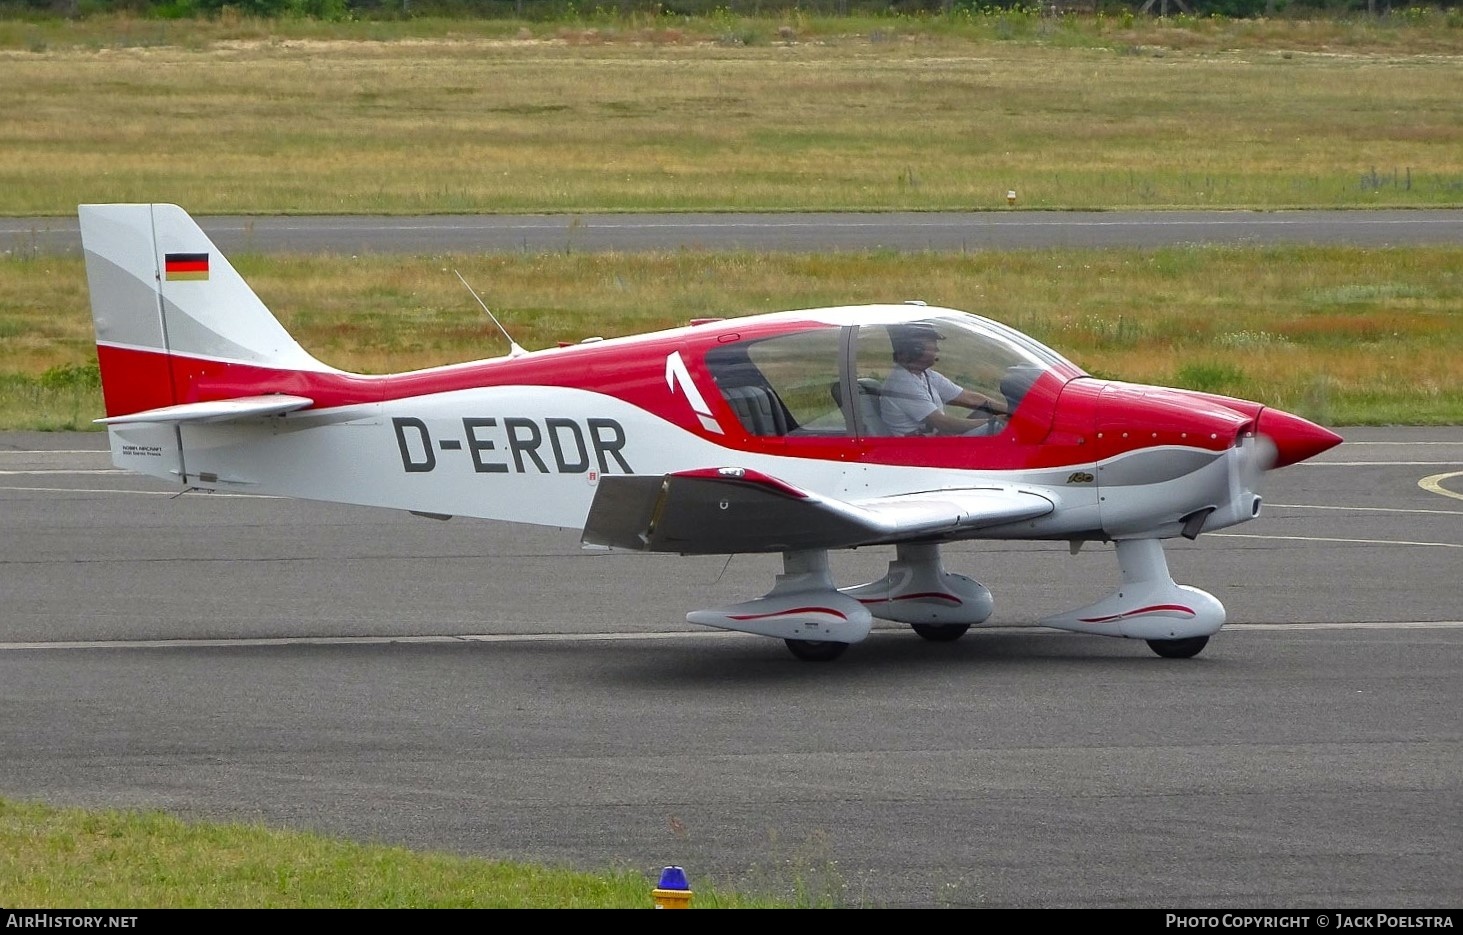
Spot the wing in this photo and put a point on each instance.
(725, 510)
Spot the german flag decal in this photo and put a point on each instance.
(185, 266)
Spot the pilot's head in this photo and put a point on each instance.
(915, 345)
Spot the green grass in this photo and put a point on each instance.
(1342, 335)
(78, 859)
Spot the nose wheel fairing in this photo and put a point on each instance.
(1147, 604)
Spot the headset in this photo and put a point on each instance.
(908, 343)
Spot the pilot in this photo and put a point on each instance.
(914, 396)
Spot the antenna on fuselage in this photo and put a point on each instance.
(513, 349)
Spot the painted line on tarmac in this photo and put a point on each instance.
(64, 471)
(1353, 625)
(1244, 535)
(1434, 484)
(1364, 509)
(371, 640)
(622, 637)
(145, 493)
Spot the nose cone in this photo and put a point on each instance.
(1295, 438)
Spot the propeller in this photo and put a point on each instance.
(1279, 439)
(1259, 453)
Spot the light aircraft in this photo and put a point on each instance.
(768, 433)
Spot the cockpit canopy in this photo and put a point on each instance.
(833, 379)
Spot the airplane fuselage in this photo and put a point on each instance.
(521, 446)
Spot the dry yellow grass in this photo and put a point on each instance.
(878, 120)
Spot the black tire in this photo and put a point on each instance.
(816, 650)
(941, 632)
(1179, 649)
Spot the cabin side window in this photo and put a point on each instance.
(784, 385)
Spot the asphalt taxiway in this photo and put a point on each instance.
(496, 690)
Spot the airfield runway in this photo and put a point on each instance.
(494, 690)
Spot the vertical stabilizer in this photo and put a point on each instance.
(165, 301)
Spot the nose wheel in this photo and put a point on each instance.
(1179, 649)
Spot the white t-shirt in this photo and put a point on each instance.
(907, 398)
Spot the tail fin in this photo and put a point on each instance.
(169, 309)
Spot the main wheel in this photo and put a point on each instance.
(1179, 649)
(940, 632)
(816, 650)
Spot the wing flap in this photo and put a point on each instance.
(728, 510)
(219, 410)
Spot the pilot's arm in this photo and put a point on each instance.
(981, 406)
(942, 423)
(980, 402)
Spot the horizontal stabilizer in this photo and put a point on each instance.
(219, 410)
(729, 510)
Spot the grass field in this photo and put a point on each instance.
(237, 116)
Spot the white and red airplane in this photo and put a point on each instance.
(781, 432)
